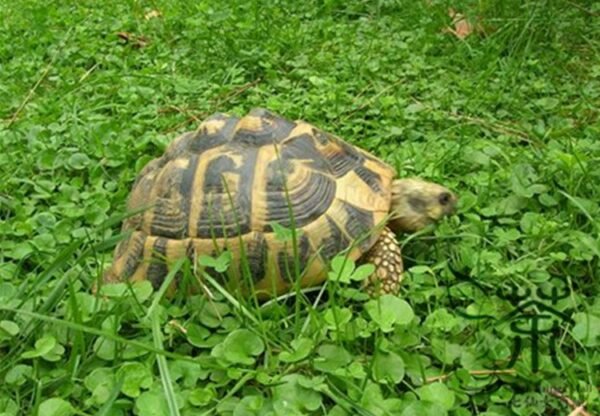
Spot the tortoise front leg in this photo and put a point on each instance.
(385, 255)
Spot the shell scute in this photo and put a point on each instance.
(222, 187)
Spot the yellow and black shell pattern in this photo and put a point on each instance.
(224, 185)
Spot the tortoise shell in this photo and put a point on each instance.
(224, 185)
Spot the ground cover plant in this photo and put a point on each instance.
(504, 111)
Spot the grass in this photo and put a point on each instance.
(509, 120)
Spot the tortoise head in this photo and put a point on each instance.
(417, 203)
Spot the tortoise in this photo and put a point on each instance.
(230, 183)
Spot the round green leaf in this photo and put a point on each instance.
(100, 382)
(441, 319)
(55, 407)
(105, 348)
(201, 396)
(55, 354)
(79, 161)
(249, 406)
(282, 233)
(213, 313)
(20, 250)
(113, 290)
(547, 103)
(341, 269)
(135, 376)
(388, 368)
(437, 393)
(503, 395)
(151, 403)
(7, 271)
(18, 375)
(197, 335)
(45, 219)
(44, 242)
(389, 310)
(190, 372)
(290, 398)
(142, 290)
(587, 329)
(8, 407)
(335, 317)
(301, 348)
(43, 346)
(332, 358)
(220, 264)
(423, 408)
(241, 346)
(362, 272)
(337, 410)
(9, 327)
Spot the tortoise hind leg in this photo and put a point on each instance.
(386, 256)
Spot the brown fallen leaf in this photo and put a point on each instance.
(152, 14)
(125, 36)
(578, 410)
(178, 326)
(137, 41)
(462, 26)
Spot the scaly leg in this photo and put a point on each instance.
(385, 255)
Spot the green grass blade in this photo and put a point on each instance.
(165, 376)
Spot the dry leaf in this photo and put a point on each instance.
(462, 27)
(125, 36)
(177, 325)
(152, 14)
(134, 40)
(579, 411)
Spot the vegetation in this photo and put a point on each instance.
(506, 116)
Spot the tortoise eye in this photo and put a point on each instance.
(445, 198)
